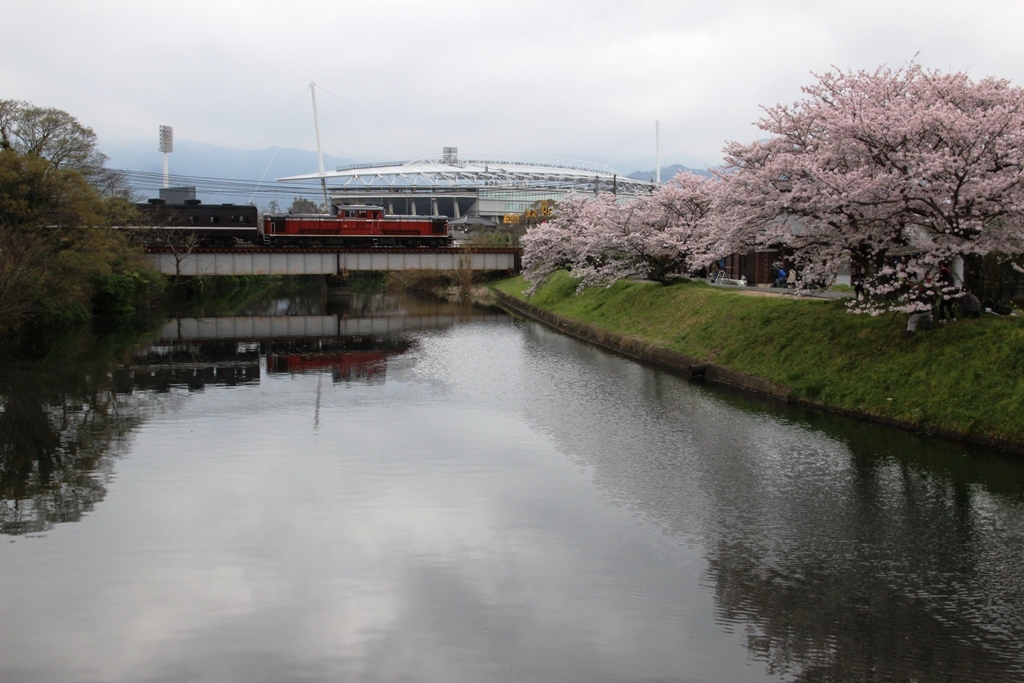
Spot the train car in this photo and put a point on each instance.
(211, 224)
(356, 226)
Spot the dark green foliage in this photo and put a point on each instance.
(497, 238)
(419, 281)
(367, 282)
(59, 260)
(34, 194)
(127, 294)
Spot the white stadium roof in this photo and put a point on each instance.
(481, 171)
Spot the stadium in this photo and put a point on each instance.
(477, 189)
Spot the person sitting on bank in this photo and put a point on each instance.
(791, 278)
(970, 305)
(780, 277)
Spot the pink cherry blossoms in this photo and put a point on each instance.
(600, 240)
(896, 172)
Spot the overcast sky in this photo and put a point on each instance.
(582, 80)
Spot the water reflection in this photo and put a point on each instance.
(63, 423)
(66, 416)
(397, 490)
(839, 550)
(163, 367)
(887, 557)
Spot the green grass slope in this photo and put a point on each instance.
(966, 376)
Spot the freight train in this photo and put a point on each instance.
(359, 226)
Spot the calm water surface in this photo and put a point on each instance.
(390, 490)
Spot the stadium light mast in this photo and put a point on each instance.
(319, 149)
(657, 152)
(166, 146)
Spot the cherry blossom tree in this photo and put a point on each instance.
(609, 240)
(687, 222)
(553, 244)
(601, 240)
(897, 171)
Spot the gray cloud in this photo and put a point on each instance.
(576, 79)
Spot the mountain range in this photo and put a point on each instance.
(668, 172)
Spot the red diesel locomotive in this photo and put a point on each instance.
(356, 226)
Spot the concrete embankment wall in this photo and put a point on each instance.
(645, 351)
(652, 353)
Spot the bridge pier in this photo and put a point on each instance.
(337, 283)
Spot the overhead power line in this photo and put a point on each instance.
(371, 116)
(274, 127)
(678, 146)
(142, 181)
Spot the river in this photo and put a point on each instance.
(386, 489)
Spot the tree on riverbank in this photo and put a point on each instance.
(58, 137)
(921, 163)
(898, 172)
(302, 205)
(674, 230)
(58, 262)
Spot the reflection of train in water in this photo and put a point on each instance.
(359, 359)
(197, 364)
(359, 226)
(349, 366)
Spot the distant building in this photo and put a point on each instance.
(485, 187)
(177, 195)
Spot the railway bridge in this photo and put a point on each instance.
(204, 261)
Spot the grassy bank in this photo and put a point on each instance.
(967, 377)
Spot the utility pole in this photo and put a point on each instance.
(319, 149)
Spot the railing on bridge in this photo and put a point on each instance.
(326, 261)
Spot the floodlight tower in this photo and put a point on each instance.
(166, 146)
